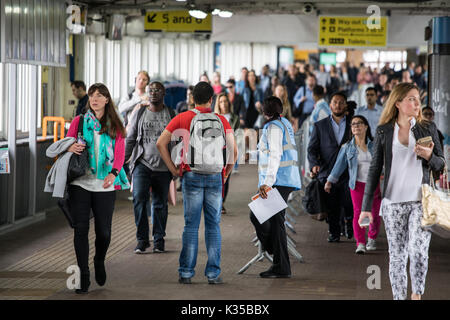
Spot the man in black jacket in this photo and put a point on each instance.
(328, 136)
(79, 91)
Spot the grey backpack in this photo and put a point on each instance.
(206, 152)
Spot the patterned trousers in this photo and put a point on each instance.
(406, 238)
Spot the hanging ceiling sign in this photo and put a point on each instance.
(351, 32)
(176, 21)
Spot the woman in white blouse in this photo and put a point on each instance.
(407, 165)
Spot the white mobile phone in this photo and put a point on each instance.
(365, 222)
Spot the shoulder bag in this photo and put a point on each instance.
(436, 207)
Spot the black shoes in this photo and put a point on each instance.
(141, 246)
(84, 284)
(184, 280)
(158, 246)
(332, 238)
(271, 274)
(100, 272)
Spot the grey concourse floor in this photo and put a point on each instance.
(33, 260)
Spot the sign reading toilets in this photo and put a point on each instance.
(352, 31)
(176, 21)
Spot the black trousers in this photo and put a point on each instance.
(102, 205)
(338, 201)
(272, 235)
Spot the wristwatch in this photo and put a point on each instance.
(115, 172)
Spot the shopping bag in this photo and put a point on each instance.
(436, 207)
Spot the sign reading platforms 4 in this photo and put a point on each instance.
(352, 32)
(176, 21)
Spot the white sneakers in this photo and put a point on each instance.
(361, 249)
(371, 245)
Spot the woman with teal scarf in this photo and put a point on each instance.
(103, 135)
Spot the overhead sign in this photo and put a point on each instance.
(351, 32)
(176, 21)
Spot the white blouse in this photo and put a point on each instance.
(405, 178)
(364, 159)
(89, 181)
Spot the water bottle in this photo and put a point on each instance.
(80, 139)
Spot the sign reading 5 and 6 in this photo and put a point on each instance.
(176, 21)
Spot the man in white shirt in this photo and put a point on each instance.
(372, 111)
(129, 102)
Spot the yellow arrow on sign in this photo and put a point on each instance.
(176, 21)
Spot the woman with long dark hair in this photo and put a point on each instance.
(253, 98)
(355, 156)
(223, 107)
(407, 165)
(103, 136)
(277, 168)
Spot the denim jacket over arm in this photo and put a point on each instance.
(348, 158)
(382, 156)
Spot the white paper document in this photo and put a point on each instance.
(264, 209)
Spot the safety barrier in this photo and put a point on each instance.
(58, 121)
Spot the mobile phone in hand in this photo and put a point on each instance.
(365, 222)
(425, 141)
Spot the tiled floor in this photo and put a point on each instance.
(33, 260)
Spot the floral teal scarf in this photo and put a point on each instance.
(105, 152)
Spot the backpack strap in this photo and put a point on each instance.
(195, 111)
(171, 112)
(80, 125)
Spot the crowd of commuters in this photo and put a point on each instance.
(348, 143)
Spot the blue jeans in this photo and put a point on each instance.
(143, 179)
(201, 191)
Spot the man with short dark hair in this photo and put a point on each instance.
(372, 111)
(202, 180)
(148, 169)
(79, 91)
(328, 136)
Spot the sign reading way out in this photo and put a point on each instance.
(176, 21)
(351, 32)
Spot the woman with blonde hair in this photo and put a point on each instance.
(407, 165)
(282, 94)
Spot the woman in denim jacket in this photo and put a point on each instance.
(356, 156)
(253, 99)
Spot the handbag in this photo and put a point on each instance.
(436, 207)
(78, 164)
(313, 202)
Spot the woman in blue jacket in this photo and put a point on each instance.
(277, 168)
(253, 98)
(356, 156)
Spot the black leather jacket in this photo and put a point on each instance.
(382, 155)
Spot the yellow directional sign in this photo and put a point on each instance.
(176, 21)
(352, 32)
